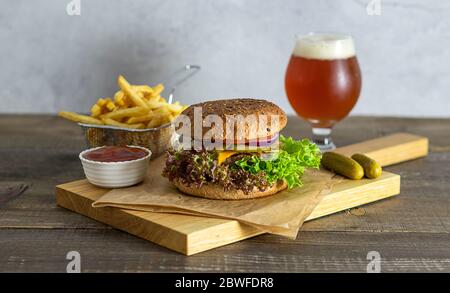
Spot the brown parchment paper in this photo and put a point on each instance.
(281, 214)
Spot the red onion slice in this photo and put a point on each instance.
(249, 145)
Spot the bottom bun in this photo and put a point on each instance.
(215, 191)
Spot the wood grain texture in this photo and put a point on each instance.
(410, 230)
(390, 149)
(10, 190)
(183, 233)
(113, 251)
(351, 193)
(190, 234)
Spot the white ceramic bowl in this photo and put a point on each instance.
(115, 174)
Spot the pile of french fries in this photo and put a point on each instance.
(133, 106)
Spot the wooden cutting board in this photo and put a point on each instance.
(192, 234)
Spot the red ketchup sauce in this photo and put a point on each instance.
(115, 154)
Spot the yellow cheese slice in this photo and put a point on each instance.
(223, 155)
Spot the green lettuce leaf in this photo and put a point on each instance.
(288, 163)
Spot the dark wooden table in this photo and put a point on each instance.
(410, 231)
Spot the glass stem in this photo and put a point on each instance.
(322, 138)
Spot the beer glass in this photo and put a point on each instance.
(323, 82)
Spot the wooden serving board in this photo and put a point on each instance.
(193, 234)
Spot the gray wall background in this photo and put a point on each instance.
(51, 61)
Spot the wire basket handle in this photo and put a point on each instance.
(186, 72)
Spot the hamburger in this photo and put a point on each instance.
(234, 151)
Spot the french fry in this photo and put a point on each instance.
(123, 103)
(175, 107)
(139, 119)
(163, 110)
(119, 98)
(96, 110)
(164, 119)
(155, 122)
(110, 106)
(158, 89)
(154, 105)
(126, 88)
(112, 122)
(133, 106)
(101, 102)
(79, 118)
(118, 95)
(153, 99)
(127, 112)
(145, 89)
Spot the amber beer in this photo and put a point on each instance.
(323, 79)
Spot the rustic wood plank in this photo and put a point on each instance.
(10, 190)
(114, 251)
(390, 149)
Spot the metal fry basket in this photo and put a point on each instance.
(157, 139)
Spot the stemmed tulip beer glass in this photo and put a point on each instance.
(323, 82)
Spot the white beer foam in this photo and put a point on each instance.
(324, 47)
